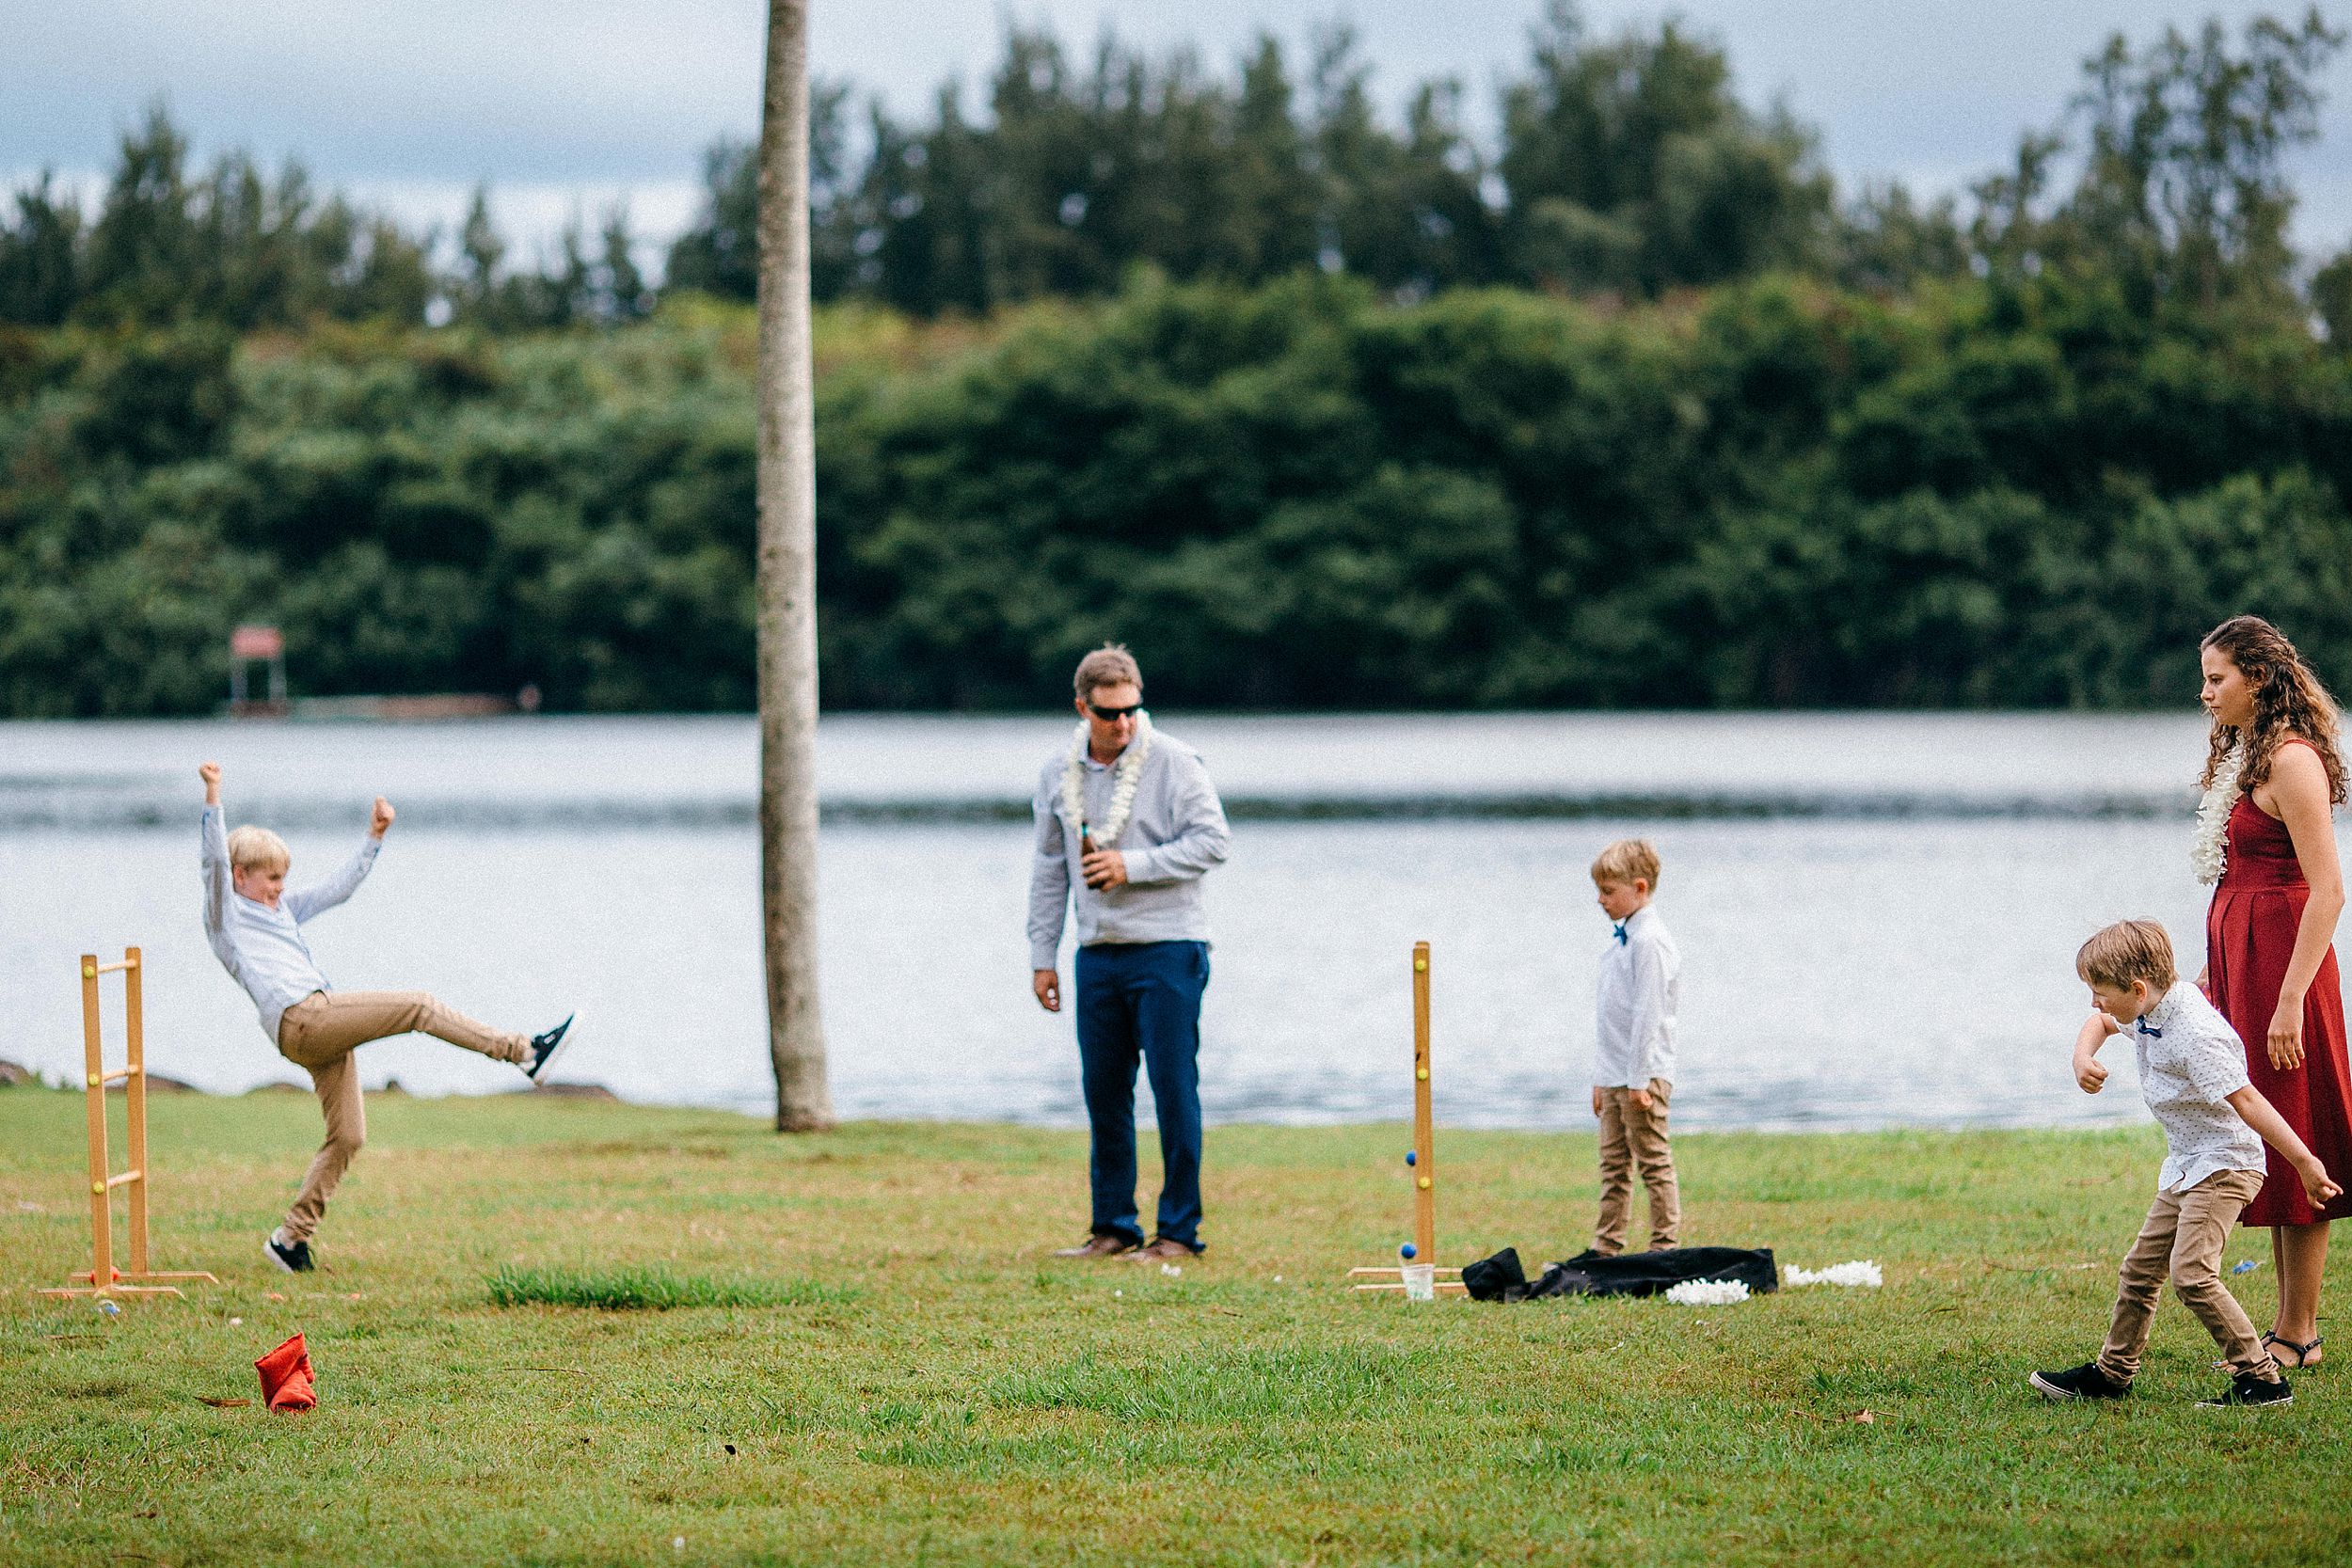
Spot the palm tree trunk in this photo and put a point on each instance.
(787, 585)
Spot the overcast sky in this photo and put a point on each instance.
(570, 105)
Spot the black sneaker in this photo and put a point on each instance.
(544, 1047)
(294, 1258)
(2251, 1389)
(2086, 1382)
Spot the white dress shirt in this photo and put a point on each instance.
(2190, 1062)
(262, 947)
(1640, 991)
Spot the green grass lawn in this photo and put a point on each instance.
(917, 1384)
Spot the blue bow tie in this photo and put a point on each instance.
(2149, 1030)
(1620, 930)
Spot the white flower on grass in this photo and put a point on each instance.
(1861, 1272)
(1706, 1292)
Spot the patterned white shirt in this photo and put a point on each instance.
(2190, 1062)
(1640, 991)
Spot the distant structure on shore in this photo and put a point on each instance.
(246, 644)
(250, 643)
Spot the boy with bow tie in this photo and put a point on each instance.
(1633, 1066)
(2192, 1073)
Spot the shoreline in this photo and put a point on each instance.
(13, 1076)
(686, 771)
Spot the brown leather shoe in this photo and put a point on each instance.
(1163, 1250)
(1099, 1246)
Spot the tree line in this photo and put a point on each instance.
(2018, 458)
(2013, 492)
(1622, 166)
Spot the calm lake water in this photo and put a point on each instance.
(1877, 913)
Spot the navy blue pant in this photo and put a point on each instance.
(1141, 1002)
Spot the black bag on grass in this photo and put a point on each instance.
(1629, 1273)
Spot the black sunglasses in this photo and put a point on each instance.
(1113, 715)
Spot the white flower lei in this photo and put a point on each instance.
(2210, 853)
(1706, 1292)
(1123, 782)
(1862, 1272)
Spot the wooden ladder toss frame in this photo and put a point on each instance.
(103, 1278)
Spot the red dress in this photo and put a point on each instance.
(2250, 938)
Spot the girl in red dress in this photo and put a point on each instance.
(2269, 965)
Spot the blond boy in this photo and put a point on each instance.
(255, 928)
(2192, 1073)
(1634, 1065)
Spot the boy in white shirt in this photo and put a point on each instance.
(255, 928)
(2192, 1073)
(1633, 1062)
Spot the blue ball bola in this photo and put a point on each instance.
(1412, 1156)
(1409, 1252)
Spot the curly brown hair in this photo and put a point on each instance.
(2289, 703)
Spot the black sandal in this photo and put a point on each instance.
(2302, 1353)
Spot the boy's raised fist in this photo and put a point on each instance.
(210, 773)
(384, 815)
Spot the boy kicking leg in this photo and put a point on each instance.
(255, 928)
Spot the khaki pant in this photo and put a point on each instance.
(1629, 1136)
(2182, 1240)
(320, 1033)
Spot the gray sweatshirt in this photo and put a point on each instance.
(1175, 834)
(261, 947)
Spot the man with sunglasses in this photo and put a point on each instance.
(1127, 823)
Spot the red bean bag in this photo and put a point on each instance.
(286, 1377)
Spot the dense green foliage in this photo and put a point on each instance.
(1738, 447)
(1776, 493)
(1780, 495)
(418, 511)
